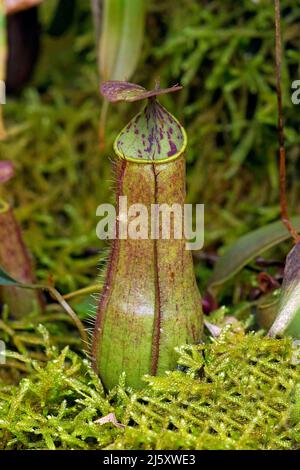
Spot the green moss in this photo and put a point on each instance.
(237, 392)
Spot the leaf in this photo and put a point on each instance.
(110, 36)
(288, 318)
(122, 32)
(7, 280)
(246, 248)
(121, 38)
(117, 90)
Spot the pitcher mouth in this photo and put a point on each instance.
(152, 136)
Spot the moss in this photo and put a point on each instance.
(237, 392)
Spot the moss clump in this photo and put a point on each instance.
(237, 392)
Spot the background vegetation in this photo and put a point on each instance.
(223, 54)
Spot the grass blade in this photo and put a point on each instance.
(246, 248)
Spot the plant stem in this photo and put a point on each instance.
(93, 289)
(281, 138)
(57, 296)
(102, 125)
(68, 309)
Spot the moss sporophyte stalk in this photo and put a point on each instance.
(150, 303)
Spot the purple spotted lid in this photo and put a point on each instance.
(153, 134)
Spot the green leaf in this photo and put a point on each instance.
(122, 33)
(7, 280)
(246, 248)
(121, 38)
